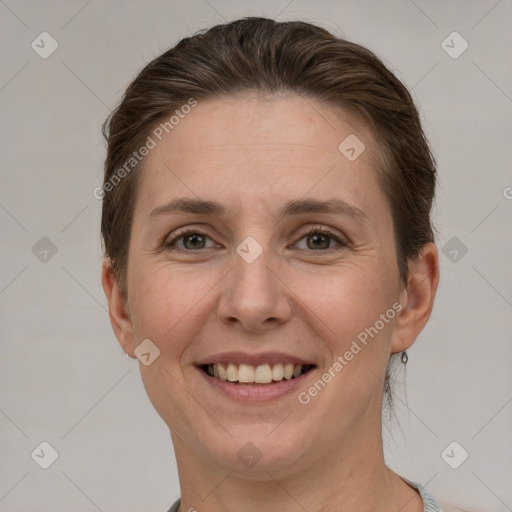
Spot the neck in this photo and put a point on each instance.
(352, 477)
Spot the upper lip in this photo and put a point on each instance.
(253, 359)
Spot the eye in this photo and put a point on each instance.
(321, 239)
(189, 239)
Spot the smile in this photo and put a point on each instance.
(261, 374)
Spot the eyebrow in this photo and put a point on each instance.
(291, 208)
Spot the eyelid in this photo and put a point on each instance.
(340, 239)
(181, 232)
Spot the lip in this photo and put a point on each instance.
(244, 393)
(254, 359)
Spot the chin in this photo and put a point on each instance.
(253, 451)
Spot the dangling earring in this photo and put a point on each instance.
(404, 357)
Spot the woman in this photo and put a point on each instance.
(269, 254)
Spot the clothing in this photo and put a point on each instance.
(429, 503)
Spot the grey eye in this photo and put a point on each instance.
(194, 241)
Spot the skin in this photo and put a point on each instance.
(252, 154)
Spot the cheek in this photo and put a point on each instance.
(345, 301)
(353, 314)
(168, 303)
(167, 306)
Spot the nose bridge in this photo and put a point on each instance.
(253, 276)
(252, 294)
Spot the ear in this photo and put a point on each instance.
(118, 309)
(417, 298)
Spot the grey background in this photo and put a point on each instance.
(64, 378)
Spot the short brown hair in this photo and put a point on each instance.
(268, 56)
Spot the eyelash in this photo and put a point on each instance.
(171, 244)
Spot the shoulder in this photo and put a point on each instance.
(430, 503)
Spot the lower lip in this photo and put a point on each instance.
(256, 392)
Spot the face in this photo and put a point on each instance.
(256, 241)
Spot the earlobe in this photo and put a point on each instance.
(417, 298)
(117, 308)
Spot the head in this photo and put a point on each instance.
(255, 123)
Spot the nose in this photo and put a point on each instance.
(254, 297)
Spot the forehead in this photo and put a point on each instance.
(250, 120)
(262, 148)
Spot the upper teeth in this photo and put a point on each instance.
(262, 374)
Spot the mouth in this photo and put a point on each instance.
(261, 375)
